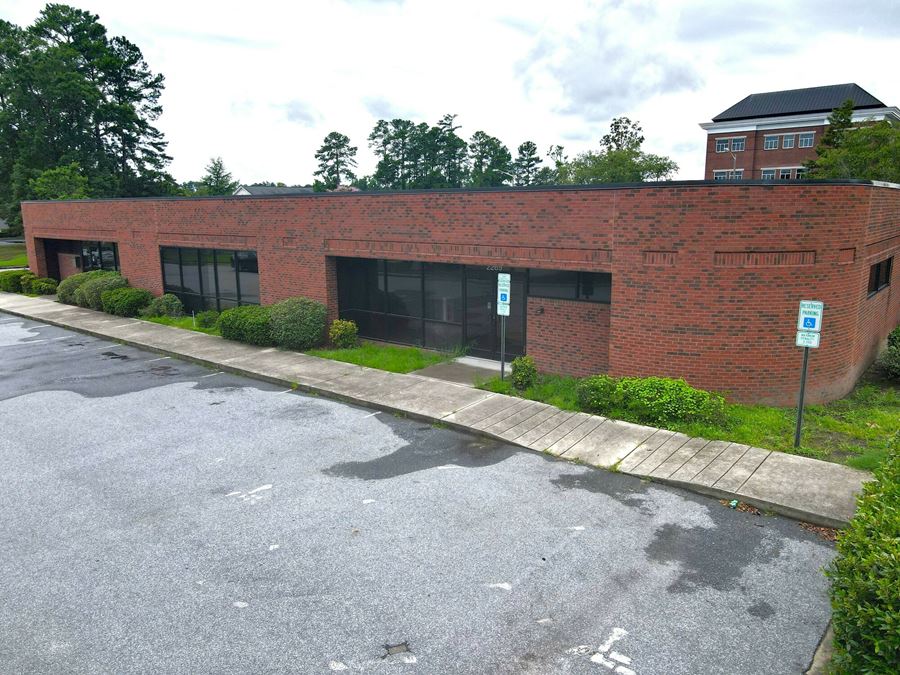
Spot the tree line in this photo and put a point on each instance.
(419, 156)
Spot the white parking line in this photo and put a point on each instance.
(162, 358)
(210, 375)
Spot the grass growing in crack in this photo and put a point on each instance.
(392, 358)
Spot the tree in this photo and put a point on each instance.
(62, 182)
(337, 159)
(870, 151)
(451, 152)
(525, 168)
(218, 180)
(619, 160)
(840, 121)
(71, 93)
(490, 161)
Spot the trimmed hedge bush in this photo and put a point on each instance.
(207, 319)
(125, 301)
(248, 323)
(297, 323)
(652, 400)
(25, 282)
(65, 292)
(11, 280)
(43, 286)
(889, 361)
(524, 372)
(894, 337)
(88, 295)
(865, 578)
(343, 334)
(165, 305)
(596, 393)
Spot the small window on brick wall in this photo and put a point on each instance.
(564, 285)
(880, 275)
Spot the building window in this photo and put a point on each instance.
(737, 144)
(784, 174)
(787, 141)
(880, 275)
(728, 174)
(806, 139)
(770, 143)
(206, 278)
(99, 255)
(563, 285)
(720, 175)
(721, 145)
(800, 174)
(768, 174)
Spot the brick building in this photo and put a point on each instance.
(698, 279)
(769, 136)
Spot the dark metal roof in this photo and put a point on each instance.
(260, 190)
(799, 101)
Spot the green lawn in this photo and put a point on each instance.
(185, 322)
(855, 430)
(13, 255)
(384, 357)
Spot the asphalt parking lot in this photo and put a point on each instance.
(157, 516)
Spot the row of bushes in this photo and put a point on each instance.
(23, 281)
(865, 578)
(652, 400)
(109, 291)
(295, 323)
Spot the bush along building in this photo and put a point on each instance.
(699, 279)
(769, 136)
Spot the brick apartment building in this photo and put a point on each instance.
(698, 279)
(769, 136)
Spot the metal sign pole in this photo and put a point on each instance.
(502, 347)
(802, 394)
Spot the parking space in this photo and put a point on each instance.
(161, 517)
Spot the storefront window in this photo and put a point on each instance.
(206, 278)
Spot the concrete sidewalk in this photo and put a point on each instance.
(818, 492)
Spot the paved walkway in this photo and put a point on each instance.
(808, 489)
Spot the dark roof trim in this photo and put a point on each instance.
(530, 188)
(798, 102)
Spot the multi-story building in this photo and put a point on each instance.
(769, 136)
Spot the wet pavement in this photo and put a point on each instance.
(159, 516)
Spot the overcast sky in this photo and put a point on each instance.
(262, 83)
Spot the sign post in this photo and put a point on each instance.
(809, 327)
(504, 285)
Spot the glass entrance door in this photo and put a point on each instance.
(482, 322)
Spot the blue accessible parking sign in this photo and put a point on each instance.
(809, 322)
(504, 297)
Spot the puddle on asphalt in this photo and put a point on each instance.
(703, 564)
(630, 492)
(761, 610)
(115, 356)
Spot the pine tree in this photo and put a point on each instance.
(489, 161)
(337, 159)
(525, 168)
(218, 180)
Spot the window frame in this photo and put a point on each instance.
(770, 139)
(743, 142)
(782, 176)
(806, 136)
(784, 141)
(577, 288)
(880, 276)
(763, 172)
(726, 141)
(206, 296)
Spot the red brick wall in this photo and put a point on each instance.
(67, 266)
(706, 277)
(755, 157)
(566, 337)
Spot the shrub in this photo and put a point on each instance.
(88, 295)
(207, 319)
(65, 292)
(894, 337)
(596, 393)
(524, 372)
(43, 286)
(343, 334)
(248, 323)
(125, 301)
(865, 577)
(889, 361)
(298, 323)
(25, 282)
(165, 305)
(11, 280)
(661, 401)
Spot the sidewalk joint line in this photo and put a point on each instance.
(590, 418)
(753, 473)
(734, 464)
(567, 415)
(636, 467)
(680, 466)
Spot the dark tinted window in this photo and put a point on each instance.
(248, 269)
(208, 271)
(443, 292)
(171, 269)
(226, 273)
(190, 270)
(404, 287)
(208, 279)
(880, 275)
(594, 286)
(553, 284)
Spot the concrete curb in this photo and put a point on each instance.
(786, 509)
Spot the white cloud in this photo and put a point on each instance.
(262, 85)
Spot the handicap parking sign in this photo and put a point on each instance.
(809, 322)
(504, 297)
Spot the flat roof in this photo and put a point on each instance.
(507, 188)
